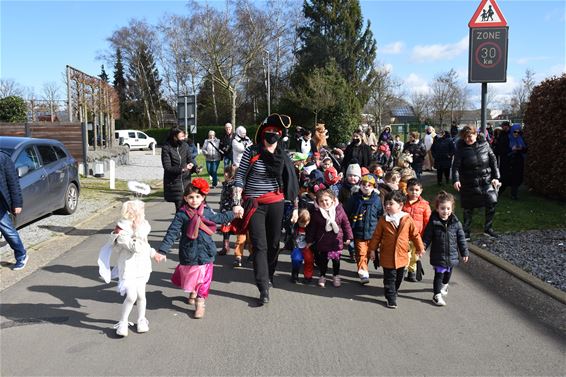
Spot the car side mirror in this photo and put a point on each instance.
(23, 170)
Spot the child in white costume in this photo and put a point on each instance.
(133, 265)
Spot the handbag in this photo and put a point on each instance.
(420, 270)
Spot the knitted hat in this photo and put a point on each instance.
(316, 176)
(368, 178)
(331, 176)
(354, 169)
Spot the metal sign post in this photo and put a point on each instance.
(187, 113)
(488, 50)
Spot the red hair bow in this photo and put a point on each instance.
(202, 185)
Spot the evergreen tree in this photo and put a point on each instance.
(334, 31)
(103, 76)
(120, 85)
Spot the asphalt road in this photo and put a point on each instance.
(58, 321)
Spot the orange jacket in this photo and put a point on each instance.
(393, 243)
(420, 213)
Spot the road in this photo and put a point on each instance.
(58, 321)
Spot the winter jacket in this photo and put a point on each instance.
(328, 241)
(133, 250)
(475, 167)
(211, 150)
(364, 214)
(442, 151)
(417, 149)
(199, 251)
(420, 213)
(446, 239)
(239, 145)
(174, 158)
(393, 244)
(226, 144)
(10, 190)
(361, 153)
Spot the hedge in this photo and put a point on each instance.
(160, 134)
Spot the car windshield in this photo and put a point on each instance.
(8, 151)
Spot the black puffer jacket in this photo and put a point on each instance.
(447, 240)
(174, 158)
(417, 149)
(475, 166)
(442, 151)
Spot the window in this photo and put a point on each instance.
(116, 135)
(132, 135)
(141, 135)
(28, 158)
(47, 154)
(60, 152)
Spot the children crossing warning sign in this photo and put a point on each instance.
(488, 14)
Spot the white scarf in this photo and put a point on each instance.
(330, 216)
(395, 219)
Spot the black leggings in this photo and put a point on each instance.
(265, 232)
(323, 264)
(439, 279)
(440, 172)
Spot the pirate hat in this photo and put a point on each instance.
(276, 123)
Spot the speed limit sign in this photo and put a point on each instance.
(488, 54)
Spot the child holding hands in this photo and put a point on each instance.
(445, 234)
(195, 223)
(391, 240)
(133, 265)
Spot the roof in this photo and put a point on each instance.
(13, 142)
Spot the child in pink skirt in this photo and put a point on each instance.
(195, 222)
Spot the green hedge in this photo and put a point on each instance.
(160, 134)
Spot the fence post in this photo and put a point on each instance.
(85, 149)
(112, 173)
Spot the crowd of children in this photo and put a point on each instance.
(378, 214)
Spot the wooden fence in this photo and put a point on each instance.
(70, 134)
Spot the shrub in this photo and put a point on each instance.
(13, 109)
(545, 135)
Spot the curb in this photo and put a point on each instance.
(533, 281)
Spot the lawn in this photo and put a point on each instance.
(530, 212)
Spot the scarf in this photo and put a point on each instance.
(274, 163)
(330, 216)
(395, 219)
(198, 222)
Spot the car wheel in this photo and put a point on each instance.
(71, 199)
(127, 146)
(150, 146)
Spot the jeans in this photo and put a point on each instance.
(11, 235)
(212, 168)
(228, 161)
(392, 279)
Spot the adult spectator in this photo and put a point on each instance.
(213, 155)
(453, 129)
(513, 175)
(386, 136)
(306, 143)
(226, 144)
(370, 138)
(428, 140)
(442, 151)
(416, 147)
(501, 148)
(239, 144)
(357, 151)
(265, 179)
(177, 166)
(476, 177)
(11, 203)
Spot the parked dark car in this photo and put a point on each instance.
(48, 174)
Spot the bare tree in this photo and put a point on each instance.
(449, 98)
(384, 92)
(51, 98)
(421, 105)
(9, 87)
(522, 93)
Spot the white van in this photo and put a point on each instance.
(134, 139)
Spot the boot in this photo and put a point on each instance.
(294, 276)
(468, 212)
(411, 276)
(199, 311)
(225, 247)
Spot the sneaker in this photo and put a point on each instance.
(336, 281)
(444, 290)
(143, 325)
(321, 281)
(490, 233)
(21, 264)
(364, 280)
(438, 300)
(392, 304)
(237, 263)
(122, 328)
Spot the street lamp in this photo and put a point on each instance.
(268, 84)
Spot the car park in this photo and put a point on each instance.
(134, 139)
(48, 174)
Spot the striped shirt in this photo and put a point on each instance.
(257, 181)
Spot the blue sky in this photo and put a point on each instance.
(416, 39)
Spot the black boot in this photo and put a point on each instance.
(225, 247)
(264, 296)
(467, 225)
(294, 276)
(488, 227)
(411, 276)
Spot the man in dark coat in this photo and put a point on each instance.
(442, 151)
(358, 151)
(226, 144)
(11, 203)
(177, 165)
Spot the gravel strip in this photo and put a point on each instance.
(541, 253)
